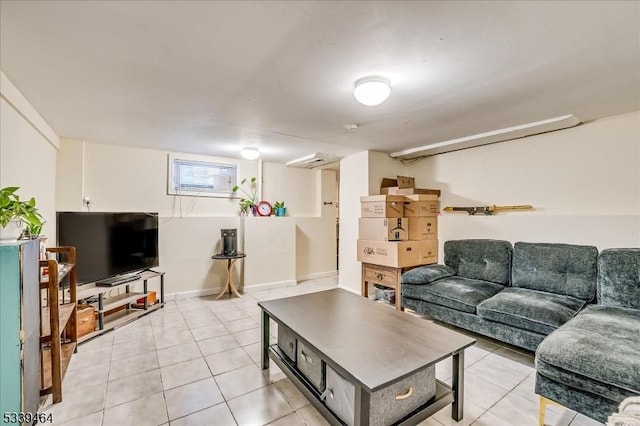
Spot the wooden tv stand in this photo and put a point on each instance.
(106, 303)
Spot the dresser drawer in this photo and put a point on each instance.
(310, 365)
(287, 341)
(388, 405)
(381, 275)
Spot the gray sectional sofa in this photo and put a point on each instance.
(517, 295)
(592, 363)
(539, 297)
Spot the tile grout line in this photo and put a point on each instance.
(498, 401)
(164, 395)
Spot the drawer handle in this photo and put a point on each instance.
(379, 275)
(306, 357)
(405, 395)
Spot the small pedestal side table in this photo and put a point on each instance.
(230, 261)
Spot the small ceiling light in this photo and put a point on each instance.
(250, 153)
(372, 90)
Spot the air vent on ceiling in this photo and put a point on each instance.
(312, 161)
(494, 136)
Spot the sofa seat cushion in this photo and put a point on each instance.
(462, 294)
(601, 345)
(427, 274)
(529, 309)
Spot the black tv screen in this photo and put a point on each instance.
(109, 244)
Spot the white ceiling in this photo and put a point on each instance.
(210, 77)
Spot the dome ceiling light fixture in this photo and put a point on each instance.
(250, 153)
(372, 90)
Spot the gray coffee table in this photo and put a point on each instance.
(371, 345)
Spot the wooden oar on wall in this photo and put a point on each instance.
(486, 210)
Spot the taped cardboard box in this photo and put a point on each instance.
(394, 190)
(382, 206)
(423, 228)
(383, 229)
(401, 182)
(420, 205)
(387, 183)
(406, 182)
(398, 254)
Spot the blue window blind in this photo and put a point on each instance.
(202, 178)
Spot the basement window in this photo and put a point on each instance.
(201, 178)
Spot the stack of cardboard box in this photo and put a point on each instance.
(399, 231)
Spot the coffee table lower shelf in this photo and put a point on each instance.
(443, 397)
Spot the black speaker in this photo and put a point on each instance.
(229, 242)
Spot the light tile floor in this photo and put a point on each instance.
(196, 362)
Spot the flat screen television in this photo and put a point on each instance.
(109, 244)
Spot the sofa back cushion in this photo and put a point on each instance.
(487, 260)
(619, 278)
(556, 268)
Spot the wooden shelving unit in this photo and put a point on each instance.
(58, 327)
(66, 351)
(65, 311)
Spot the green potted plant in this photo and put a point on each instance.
(14, 214)
(279, 208)
(251, 194)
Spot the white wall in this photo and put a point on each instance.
(304, 193)
(186, 246)
(583, 182)
(70, 175)
(119, 178)
(354, 183)
(298, 188)
(27, 153)
(270, 244)
(381, 166)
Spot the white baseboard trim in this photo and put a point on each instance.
(267, 286)
(192, 293)
(318, 275)
(257, 287)
(349, 289)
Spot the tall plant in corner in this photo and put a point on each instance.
(251, 193)
(16, 213)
